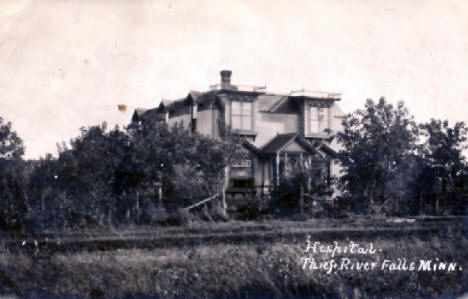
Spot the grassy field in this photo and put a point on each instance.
(252, 266)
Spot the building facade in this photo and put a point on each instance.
(278, 130)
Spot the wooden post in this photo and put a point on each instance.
(223, 200)
(137, 207)
(160, 195)
(223, 189)
(263, 182)
(301, 202)
(277, 168)
(286, 164)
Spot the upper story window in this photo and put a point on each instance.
(318, 120)
(241, 115)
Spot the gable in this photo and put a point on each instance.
(294, 147)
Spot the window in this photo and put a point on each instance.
(241, 115)
(242, 169)
(243, 163)
(318, 120)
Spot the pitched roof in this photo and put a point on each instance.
(182, 106)
(282, 140)
(266, 102)
(207, 100)
(166, 102)
(178, 107)
(154, 114)
(251, 147)
(194, 95)
(275, 103)
(284, 104)
(325, 148)
(138, 113)
(278, 104)
(278, 142)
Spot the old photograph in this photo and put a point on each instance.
(233, 149)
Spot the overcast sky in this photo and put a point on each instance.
(67, 64)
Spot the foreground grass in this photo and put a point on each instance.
(251, 269)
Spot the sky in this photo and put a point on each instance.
(68, 64)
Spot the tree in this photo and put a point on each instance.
(190, 166)
(106, 177)
(11, 145)
(89, 167)
(442, 161)
(82, 184)
(13, 199)
(378, 142)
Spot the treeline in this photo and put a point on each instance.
(395, 166)
(111, 177)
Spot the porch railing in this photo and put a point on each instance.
(201, 202)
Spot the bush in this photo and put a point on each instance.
(286, 196)
(218, 213)
(179, 217)
(152, 214)
(160, 215)
(250, 209)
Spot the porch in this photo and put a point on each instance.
(286, 156)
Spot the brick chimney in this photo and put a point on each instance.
(226, 79)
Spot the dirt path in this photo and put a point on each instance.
(165, 237)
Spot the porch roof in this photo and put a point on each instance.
(326, 149)
(281, 141)
(251, 147)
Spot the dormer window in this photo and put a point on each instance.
(241, 116)
(318, 120)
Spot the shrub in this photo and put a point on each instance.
(250, 209)
(179, 217)
(153, 214)
(218, 213)
(286, 196)
(160, 215)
